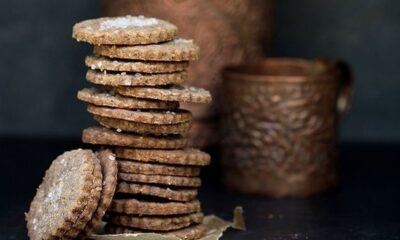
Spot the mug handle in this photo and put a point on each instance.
(343, 103)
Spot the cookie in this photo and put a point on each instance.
(157, 169)
(189, 233)
(68, 187)
(152, 117)
(133, 206)
(161, 179)
(143, 128)
(104, 136)
(172, 93)
(91, 206)
(135, 79)
(180, 195)
(100, 97)
(127, 30)
(188, 156)
(176, 50)
(121, 65)
(110, 171)
(157, 223)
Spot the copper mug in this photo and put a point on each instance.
(279, 125)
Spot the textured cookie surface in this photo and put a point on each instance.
(92, 204)
(143, 128)
(63, 195)
(176, 50)
(182, 195)
(130, 30)
(110, 171)
(111, 99)
(173, 93)
(157, 223)
(133, 206)
(121, 65)
(160, 179)
(157, 169)
(189, 233)
(188, 156)
(151, 117)
(134, 79)
(104, 136)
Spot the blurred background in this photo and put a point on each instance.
(42, 66)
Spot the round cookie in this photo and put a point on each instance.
(189, 233)
(158, 223)
(109, 169)
(173, 93)
(188, 156)
(180, 195)
(127, 30)
(135, 79)
(63, 195)
(143, 128)
(104, 136)
(151, 117)
(176, 50)
(100, 97)
(103, 63)
(133, 206)
(161, 179)
(157, 169)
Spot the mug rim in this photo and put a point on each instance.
(248, 71)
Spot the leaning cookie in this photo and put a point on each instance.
(127, 30)
(105, 98)
(173, 93)
(189, 233)
(104, 136)
(120, 65)
(176, 50)
(135, 79)
(110, 171)
(69, 186)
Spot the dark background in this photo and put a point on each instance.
(42, 67)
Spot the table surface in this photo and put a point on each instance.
(365, 206)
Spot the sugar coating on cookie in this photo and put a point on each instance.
(63, 194)
(131, 30)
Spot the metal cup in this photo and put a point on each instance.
(279, 120)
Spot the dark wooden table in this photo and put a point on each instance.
(365, 206)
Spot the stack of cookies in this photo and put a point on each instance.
(139, 67)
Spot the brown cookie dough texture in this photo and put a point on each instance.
(104, 136)
(133, 206)
(110, 172)
(71, 185)
(134, 79)
(121, 65)
(105, 98)
(143, 128)
(176, 50)
(127, 30)
(160, 179)
(158, 223)
(180, 195)
(172, 93)
(189, 233)
(188, 156)
(157, 169)
(151, 117)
